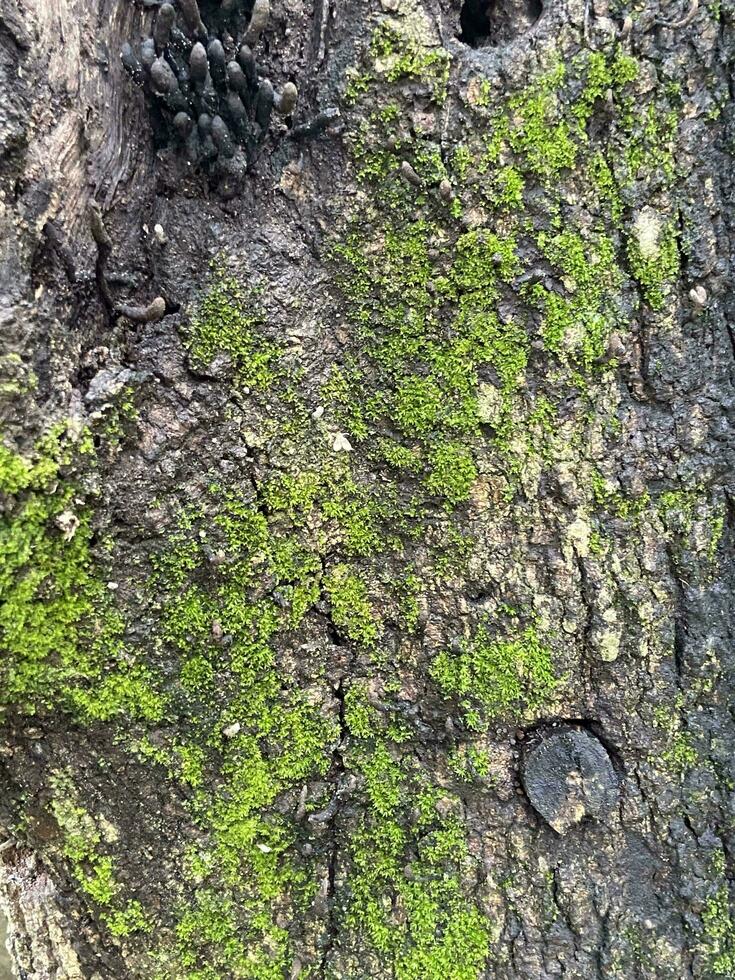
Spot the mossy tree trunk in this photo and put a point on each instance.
(365, 607)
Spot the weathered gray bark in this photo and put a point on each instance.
(176, 804)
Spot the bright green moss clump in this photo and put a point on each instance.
(61, 636)
(578, 323)
(452, 473)
(46, 590)
(360, 716)
(424, 291)
(224, 323)
(497, 676)
(243, 876)
(536, 128)
(719, 933)
(405, 889)
(351, 608)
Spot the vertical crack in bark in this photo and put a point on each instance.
(679, 647)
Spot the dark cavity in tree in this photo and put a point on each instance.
(487, 23)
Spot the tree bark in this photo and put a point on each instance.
(366, 491)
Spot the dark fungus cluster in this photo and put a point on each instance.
(204, 83)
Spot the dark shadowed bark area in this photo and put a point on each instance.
(366, 517)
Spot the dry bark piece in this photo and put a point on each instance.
(410, 175)
(568, 777)
(685, 20)
(104, 250)
(319, 124)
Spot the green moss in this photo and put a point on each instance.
(680, 756)
(507, 188)
(716, 529)
(604, 181)
(398, 456)
(244, 875)
(461, 161)
(293, 493)
(191, 761)
(358, 83)
(536, 128)
(132, 693)
(61, 635)
(602, 73)
(656, 272)
(197, 674)
(399, 55)
(406, 896)
(497, 677)
(606, 496)
(409, 592)
(719, 933)
(83, 845)
(130, 919)
(418, 404)
(351, 607)
(226, 322)
(649, 153)
(360, 716)
(469, 763)
(452, 474)
(16, 378)
(357, 513)
(46, 590)
(99, 883)
(211, 925)
(579, 322)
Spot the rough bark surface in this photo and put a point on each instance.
(366, 608)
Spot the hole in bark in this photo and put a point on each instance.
(487, 23)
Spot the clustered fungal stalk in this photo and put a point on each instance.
(205, 81)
